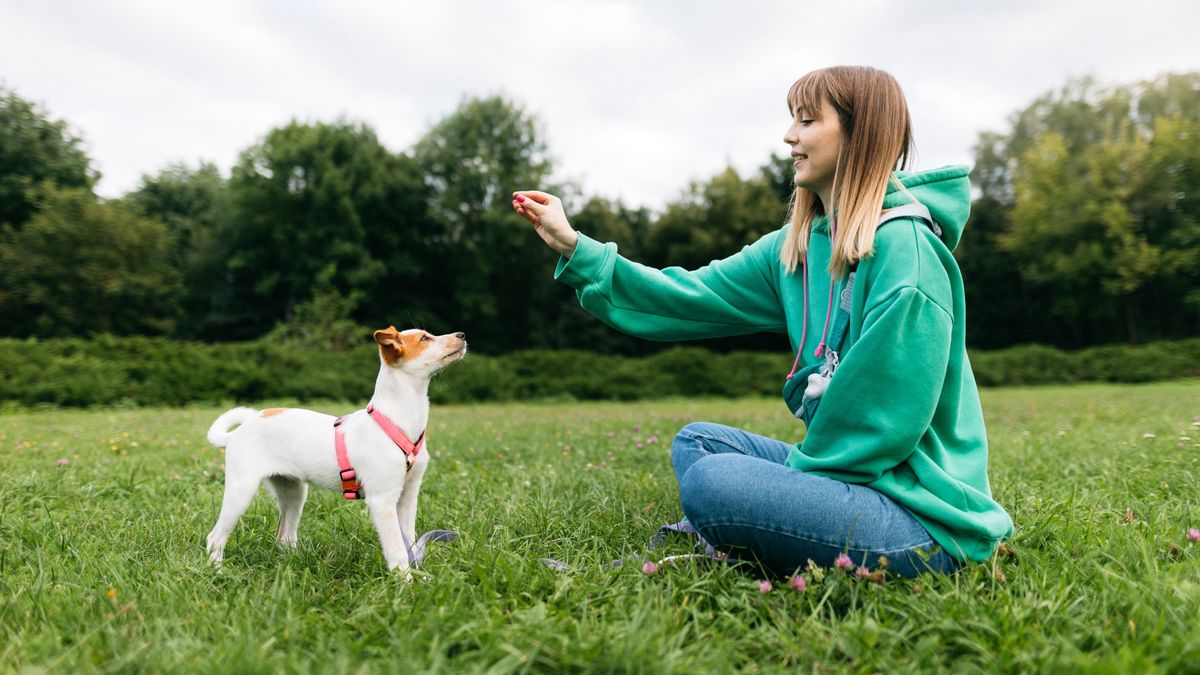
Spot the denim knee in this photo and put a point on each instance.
(701, 487)
(685, 442)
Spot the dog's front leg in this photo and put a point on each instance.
(406, 510)
(387, 524)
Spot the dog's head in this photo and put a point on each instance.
(417, 352)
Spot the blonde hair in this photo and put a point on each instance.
(876, 140)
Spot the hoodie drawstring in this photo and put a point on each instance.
(828, 309)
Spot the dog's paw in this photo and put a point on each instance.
(411, 575)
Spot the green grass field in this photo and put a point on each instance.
(103, 515)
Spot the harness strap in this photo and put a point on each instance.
(396, 434)
(351, 489)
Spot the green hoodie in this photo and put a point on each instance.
(902, 414)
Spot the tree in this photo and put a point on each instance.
(493, 279)
(35, 149)
(82, 266)
(714, 220)
(322, 199)
(194, 205)
(1089, 200)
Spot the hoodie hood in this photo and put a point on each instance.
(946, 192)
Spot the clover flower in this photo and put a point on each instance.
(843, 562)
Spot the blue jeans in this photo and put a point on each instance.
(738, 494)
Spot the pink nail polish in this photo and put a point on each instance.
(520, 198)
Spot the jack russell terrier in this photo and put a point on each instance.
(358, 453)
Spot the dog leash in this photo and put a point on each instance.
(683, 528)
(416, 551)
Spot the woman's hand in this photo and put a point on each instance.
(546, 213)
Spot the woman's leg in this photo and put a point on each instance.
(701, 439)
(735, 490)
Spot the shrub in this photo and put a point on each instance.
(106, 370)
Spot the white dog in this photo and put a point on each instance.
(290, 447)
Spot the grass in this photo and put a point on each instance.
(102, 565)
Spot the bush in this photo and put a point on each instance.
(106, 370)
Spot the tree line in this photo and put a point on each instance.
(1085, 230)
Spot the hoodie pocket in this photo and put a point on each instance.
(802, 395)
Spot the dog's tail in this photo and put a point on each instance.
(218, 433)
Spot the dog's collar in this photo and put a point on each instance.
(351, 488)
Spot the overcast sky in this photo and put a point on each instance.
(636, 99)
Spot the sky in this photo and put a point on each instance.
(636, 100)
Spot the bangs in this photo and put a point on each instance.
(807, 93)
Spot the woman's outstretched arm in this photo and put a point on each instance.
(733, 296)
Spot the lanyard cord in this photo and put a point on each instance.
(828, 309)
(804, 322)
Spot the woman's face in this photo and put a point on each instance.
(816, 140)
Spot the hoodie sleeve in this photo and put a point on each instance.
(884, 393)
(733, 296)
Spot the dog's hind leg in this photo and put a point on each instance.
(290, 493)
(239, 492)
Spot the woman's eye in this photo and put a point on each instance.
(806, 122)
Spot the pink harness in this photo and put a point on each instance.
(351, 488)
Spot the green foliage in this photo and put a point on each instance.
(714, 220)
(1088, 218)
(35, 149)
(327, 364)
(194, 204)
(103, 516)
(490, 281)
(1040, 364)
(312, 196)
(81, 265)
(324, 322)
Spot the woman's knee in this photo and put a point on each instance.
(705, 485)
(686, 446)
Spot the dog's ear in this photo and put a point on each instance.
(387, 335)
(390, 346)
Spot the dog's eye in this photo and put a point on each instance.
(426, 338)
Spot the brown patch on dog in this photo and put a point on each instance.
(415, 342)
(396, 346)
(271, 412)
(390, 347)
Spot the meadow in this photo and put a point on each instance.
(103, 514)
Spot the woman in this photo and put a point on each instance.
(894, 463)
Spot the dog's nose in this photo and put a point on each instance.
(460, 336)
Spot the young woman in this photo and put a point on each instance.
(894, 463)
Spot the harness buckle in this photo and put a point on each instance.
(347, 474)
(351, 493)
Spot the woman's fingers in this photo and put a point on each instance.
(535, 195)
(545, 212)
